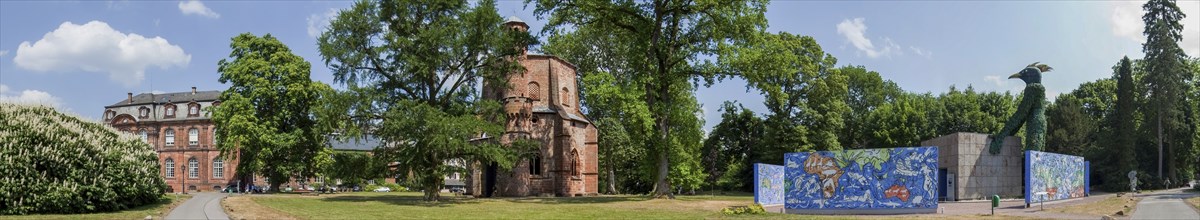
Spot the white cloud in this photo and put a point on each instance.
(318, 22)
(855, 31)
(1000, 81)
(1126, 21)
(194, 7)
(921, 52)
(34, 97)
(96, 47)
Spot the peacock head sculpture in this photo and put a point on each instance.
(1032, 73)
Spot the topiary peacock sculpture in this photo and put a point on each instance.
(1031, 110)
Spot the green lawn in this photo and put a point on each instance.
(157, 211)
(370, 205)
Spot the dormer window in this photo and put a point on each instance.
(193, 110)
(108, 115)
(170, 111)
(143, 112)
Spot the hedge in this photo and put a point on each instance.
(57, 163)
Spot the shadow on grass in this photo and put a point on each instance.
(402, 199)
(578, 200)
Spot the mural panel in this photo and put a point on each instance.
(768, 180)
(1052, 176)
(867, 179)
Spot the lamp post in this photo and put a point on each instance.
(183, 184)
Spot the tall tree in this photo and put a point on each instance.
(1124, 129)
(805, 94)
(866, 92)
(411, 69)
(730, 149)
(265, 119)
(904, 122)
(1069, 128)
(665, 39)
(1166, 76)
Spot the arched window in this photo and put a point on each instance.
(143, 112)
(534, 91)
(142, 133)
(108, 115)
(535, 164)
(575, 163)
(566, 97)
(218, 168)
(170, 167)
(170, 137)
(193, 136)
(193, 168)
(213, 134)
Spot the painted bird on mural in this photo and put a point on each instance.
(1031, 110)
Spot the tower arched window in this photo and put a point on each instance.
(535, 164)
(170, 137)
(575, 163)
(218, 168)
(534, 91)
(193, 168)
(566, 97)
(170, 168)
(193, 136)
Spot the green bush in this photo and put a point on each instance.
(752, 209)
(56, 163)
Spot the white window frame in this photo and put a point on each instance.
(142, 133)
(170, 137)
(193, 109)
(170, 111)
(193, 168)
(193, 136)
(170, 167)
(218, 168)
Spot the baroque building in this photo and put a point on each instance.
(181, 131)
(542, 105)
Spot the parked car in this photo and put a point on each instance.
(383, 189)
(458, 190)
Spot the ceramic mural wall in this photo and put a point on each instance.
(884, 178)
(1060, 176)
(768, 181)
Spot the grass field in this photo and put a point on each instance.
(1108, 206)
(370, 205)
(400, 205)
(156, 211)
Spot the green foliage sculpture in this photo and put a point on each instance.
(56, 163)
(1032, 110)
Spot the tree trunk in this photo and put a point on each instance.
(1160, 145)
(612, 180)
(432, 184)
(663, 186)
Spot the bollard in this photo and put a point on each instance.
(995, 203)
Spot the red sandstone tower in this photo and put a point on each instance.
(542, 105)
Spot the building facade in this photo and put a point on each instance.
(181, 131)
(542, 105)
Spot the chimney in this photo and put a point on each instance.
(130, 94)
(193, 90)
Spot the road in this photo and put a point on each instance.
(200, 206)
(1166, 204)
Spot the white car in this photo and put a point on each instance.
(383, 189)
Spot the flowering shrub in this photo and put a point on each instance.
(57, 163)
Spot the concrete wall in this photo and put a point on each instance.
(978, 173)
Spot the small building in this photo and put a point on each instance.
(967, 171)
(542, 105)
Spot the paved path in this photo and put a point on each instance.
(200, 206)
(1166, 204)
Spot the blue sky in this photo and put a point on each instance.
(83, 55)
